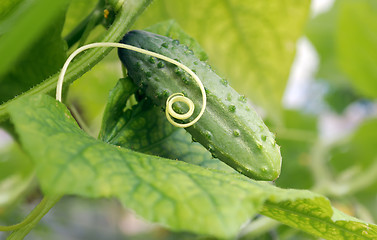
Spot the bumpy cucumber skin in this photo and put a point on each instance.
(229, 128)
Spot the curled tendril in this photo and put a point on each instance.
(175, 97)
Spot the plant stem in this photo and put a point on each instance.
(34, 217)
(124, 20)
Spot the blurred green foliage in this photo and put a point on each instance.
(24, 24)
(345, 39)
(44, 58)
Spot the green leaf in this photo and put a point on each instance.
(173, 193)
(23, 26)
(357, 44)
(144, 128)
(172, 29)
(315, 215)
(252, 44)
(44, 58)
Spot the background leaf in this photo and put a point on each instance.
(24, 25)
(356, 38)
(179, 194)
(40, 61)
(77, 12)
(172, 29)
(251, 43)
(345, 40)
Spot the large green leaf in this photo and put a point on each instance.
(173, 193)
(253, 43)
(44, 58)
(22, 27)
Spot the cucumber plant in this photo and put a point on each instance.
(229, 128)
(134, 159)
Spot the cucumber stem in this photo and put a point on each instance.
(45, 203)
(35, 216)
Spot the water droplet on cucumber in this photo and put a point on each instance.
(166, 93)
(160, 64)
(178, 71)
(232, 108)
(236, 133)
(211, 148)
(148, 74)
(152, 60)
(208, 135)
(224, 82)
(229, 97)
(242, 98)
(185, 80)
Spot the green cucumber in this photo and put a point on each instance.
(229, 128)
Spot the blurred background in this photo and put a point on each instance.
(309, 69)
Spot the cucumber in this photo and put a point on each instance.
(229, 128)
